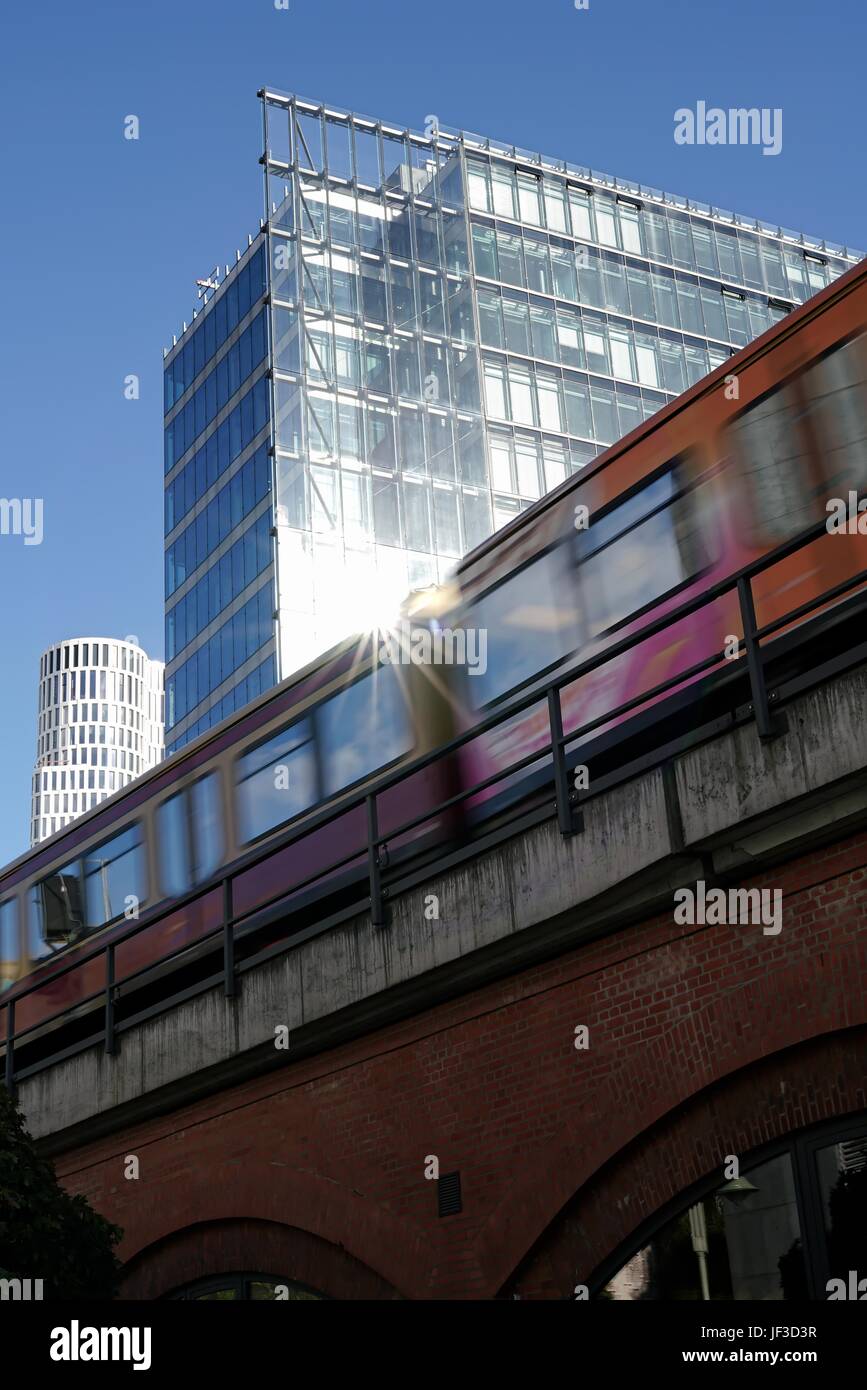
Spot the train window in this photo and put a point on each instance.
(836, 391)
(531, 623)
(57, 915)
(771, 449)
(113, 876)
(174, 848)
(9, 947)
(276, 780)
(207, 825)
(639, 551)
(88, 893)
(363, 728)
(189, 834)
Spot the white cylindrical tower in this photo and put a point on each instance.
(100, 725)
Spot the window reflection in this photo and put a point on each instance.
(174, 848)
(88, 893)
(207, 825)
(836, 393)
(367, 157)
(9, 949)
(644, 548)
(742, 1242)
(236, 1288)
(364, 727)
(842, 1176)
(114, 874)
(771, 453)
(535, 610)
(276, 780)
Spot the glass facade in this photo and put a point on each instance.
(381, 479)
(453, 328)
(219, 552)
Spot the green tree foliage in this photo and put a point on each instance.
(44, 1232)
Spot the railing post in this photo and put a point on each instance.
(569, 817)
(110, 1045)
(230, 984)
(10, 1047)
(378, 915)
(767, 726)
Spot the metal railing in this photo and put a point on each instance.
(374, 852)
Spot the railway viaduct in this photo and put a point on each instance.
(536, 1019)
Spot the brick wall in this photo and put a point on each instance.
(704, 1040)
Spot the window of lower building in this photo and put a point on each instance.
(240, 1288)
(792, 1226)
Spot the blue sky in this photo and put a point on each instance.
(103, 238)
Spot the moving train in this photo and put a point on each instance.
(261, 817)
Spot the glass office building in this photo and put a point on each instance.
(219, 565)
(429, 332)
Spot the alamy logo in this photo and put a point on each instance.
(848, 519)
(22, 516)
(76, 1343)
(856, 1290)
(740, 125)
(406, 645)
(744, 906)
(22, 1290)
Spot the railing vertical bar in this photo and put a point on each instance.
(566, 816)
(10, 1047)
(110, 1041)
(230, 984)
(766, 726)
(377, 906)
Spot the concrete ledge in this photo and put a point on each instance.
(741, 804)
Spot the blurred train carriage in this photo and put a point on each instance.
(267, 821)
(728, 474)
(158, 853)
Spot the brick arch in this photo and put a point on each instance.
(249, 1246)
(777, 1096)
(394, 1251)
(546, 1236)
